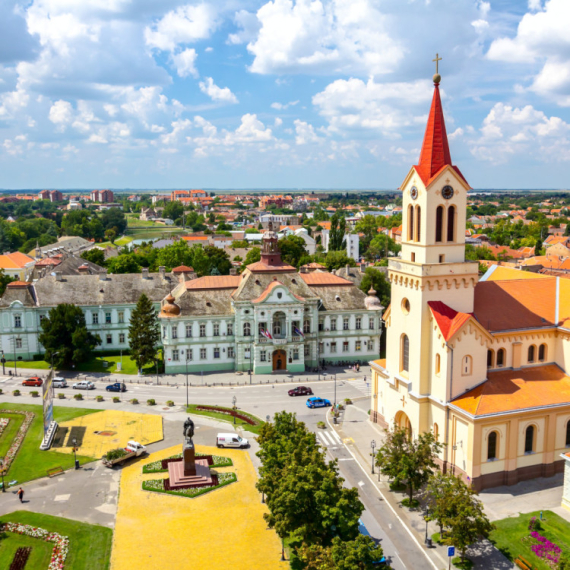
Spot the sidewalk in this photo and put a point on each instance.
(357, 432)
(225, 378)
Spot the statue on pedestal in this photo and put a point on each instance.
(189, 453)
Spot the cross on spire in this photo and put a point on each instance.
(437, 60)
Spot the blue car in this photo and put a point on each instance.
(364, 531)
(315, 402)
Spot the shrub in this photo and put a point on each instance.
(116, 399)
(1, 391)
(16, 392)
(321, 425)
(134, 401)
(61, 396)
(115, 454)
(170, 403)
(99, 398)
(78, 396)
(151, 402)
(347, 401)
(34, 393)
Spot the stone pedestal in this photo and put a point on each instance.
(178, 478)
(189, 459)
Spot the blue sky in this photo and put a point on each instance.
(280, 93)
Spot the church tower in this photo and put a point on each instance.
(432, 269)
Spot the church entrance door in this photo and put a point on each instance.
(279, 360)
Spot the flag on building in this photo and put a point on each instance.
(266, 334)
(298, 331)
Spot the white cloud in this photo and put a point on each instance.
(542, 36)
(249, 25)
(186, 24)
(305, 133)
(61, 114)
(283, 106)
(185, 62)
(310, 36)
(353, 104)
(222, 94)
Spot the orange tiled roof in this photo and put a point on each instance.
(182, 269)
(195, 238)
(324, 279)
(18, 284)
(504, 273)
(514, 390)
(14, 260)
(214, 282)
(448, 320)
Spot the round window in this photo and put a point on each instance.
(405, 306)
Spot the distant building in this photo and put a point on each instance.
(51, 195)
(16, 264)
(352, 244)
(102, 196)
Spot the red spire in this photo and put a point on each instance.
(435, 148)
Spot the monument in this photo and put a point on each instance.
(189, 471)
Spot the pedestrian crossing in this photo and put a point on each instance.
(329, 438)
(363, 385)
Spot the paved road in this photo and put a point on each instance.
(265, 400)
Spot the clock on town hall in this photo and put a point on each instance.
(413, 193)
(447, 192)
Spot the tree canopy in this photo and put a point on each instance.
(377, 280)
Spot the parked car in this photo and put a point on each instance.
(59, 382)
(315, 402)
(363, 530)
(231, 440)
(300, 391)
(116, 387)
(133, 449)
(33, 381)
(84, 385)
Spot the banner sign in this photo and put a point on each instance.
(48, 400)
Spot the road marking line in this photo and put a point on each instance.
(347, 459)
(361, 483)
(390, 506)
(335, 436)
(61, 498)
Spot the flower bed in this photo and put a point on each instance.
(246, 418)
(545, 549)
(162, 486)
(3, 423)
(19, 438)
(161, 466)
(60, 549)
(20, 558)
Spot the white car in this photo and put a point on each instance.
(84, 385)
(59, 382)
(231, 440)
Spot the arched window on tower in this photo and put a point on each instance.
(568, 434)
(451, 223)
(501, 357)
(467, 366)
(437, 364)
(492, 446)
(418, 236)
(490, 358)
(542, 353)
(410, 223)
(405, 354)
(436, 431)
(531, 352)
(439, 224)
(529, 439)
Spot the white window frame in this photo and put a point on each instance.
(203, 354)
(216, 352)
(175, 355)
(188, 330)
(202, 330)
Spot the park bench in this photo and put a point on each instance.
(55, 471)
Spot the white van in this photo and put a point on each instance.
(231, 440)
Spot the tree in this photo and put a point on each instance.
(362, 553)
(173, 210)
(111, 235)
(144, 333)
(292, 249)
(382, 245)
(253, 256)
(124, 263)
(467, 522)
(64, 331)
(407, 460)
(114, 219)
(538, 247)
(218, 259)
(377, 280)
(338, 259)
(369, 227)
(440, 493)
(94, 255)
(337, 240)
(175, 255)
(4, 280)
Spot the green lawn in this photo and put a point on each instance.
(96, 364)
(31, 463)
(135, 222)
(89, 545)
(225, 418)
(510, 531)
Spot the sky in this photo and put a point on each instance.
(280, 93)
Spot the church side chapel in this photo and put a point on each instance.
(480, 362)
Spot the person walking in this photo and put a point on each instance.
(21, 494)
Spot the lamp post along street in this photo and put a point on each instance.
(3, 364)
(373, 445)
(234, 400)
(426, 517)
(187, 404)
(74, 441)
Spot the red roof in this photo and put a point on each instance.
(448, 320)
(214, 282)
(18, 284)
(182, 269)
(435, 149)
(321, 279)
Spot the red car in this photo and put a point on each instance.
(300, 391)
(33, 381)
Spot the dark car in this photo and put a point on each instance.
(33, 381)
(300, 391)
(116, 387)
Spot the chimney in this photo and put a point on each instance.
(304, 269)
(161, 271)
(145, 272)
(58, 276)
(362, 267)
(233, 271)
(103, 275)
(347, 269)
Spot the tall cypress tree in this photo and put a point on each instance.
(144, 333)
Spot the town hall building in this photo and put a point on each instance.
(479, 362)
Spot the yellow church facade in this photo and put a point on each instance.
(480, 362)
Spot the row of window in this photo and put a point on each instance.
(529, 441)
(441, 216)
(501, 356)
(201, 330)
(345, 324)
(108, 318)
(359, 345)
(203, 352)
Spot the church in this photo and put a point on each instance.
(480, 362)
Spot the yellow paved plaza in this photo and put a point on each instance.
(115, 429)
(219, 530)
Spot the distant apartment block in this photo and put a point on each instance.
(180, 194)
(102, 196)
(51, 195)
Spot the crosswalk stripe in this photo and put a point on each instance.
(336, 438)
(326, 437)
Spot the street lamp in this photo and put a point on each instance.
(2, 472)
(3, 364)
(52, 355)
(373, 445)
(250, 360)
(187, 404)
(426, 517)
(74, 441)
(234, 400)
